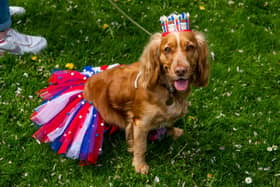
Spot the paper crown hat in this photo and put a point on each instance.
(175, 23)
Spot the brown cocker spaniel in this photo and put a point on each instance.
(151, 93)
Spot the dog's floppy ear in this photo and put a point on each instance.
(150, 65)
(202, 70)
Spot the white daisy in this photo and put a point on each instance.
(269, 149)
(248, 180)
(156, 179)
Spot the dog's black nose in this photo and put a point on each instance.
(180, 71)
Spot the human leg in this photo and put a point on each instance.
(5, 18)
(14, 42)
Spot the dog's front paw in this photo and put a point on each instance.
(142, 168)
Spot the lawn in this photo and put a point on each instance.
(232, 132)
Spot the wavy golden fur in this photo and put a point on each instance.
(151, 93)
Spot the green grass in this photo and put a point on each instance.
(230, 124)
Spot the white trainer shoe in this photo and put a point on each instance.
(16, 10)
(19, 44)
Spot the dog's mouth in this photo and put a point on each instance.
(181, 84)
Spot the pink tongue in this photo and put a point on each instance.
(181, 85)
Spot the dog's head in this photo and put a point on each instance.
(179, 57)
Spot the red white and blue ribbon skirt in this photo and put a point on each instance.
(71, 125)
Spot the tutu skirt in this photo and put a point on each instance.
(71, 125)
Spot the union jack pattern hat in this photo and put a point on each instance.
(175, 23)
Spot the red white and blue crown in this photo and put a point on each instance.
(175, 23)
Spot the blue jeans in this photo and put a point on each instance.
(5, 18)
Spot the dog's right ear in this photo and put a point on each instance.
(150, 64)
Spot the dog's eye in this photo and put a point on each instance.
(167, 49)
(189, 47)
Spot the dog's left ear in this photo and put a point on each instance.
(202, 70)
